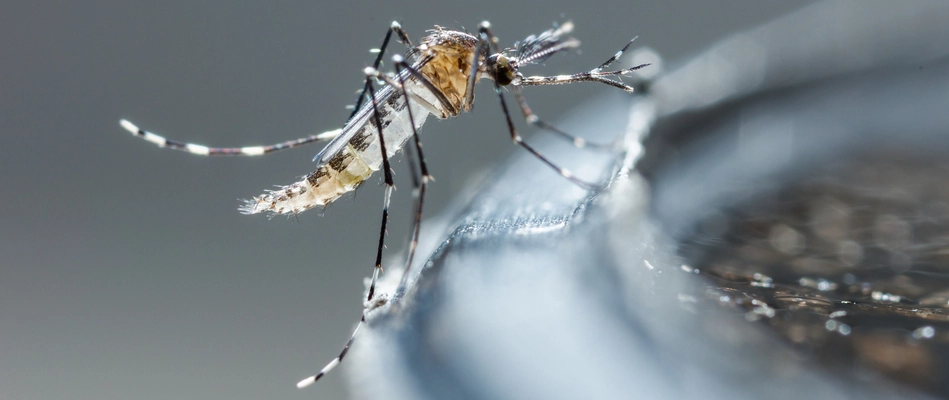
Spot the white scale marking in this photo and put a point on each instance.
(151, 137)
(198, 149)
(253, 151)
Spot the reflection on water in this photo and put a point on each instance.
(850, 265)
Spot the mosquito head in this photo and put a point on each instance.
(500, 69)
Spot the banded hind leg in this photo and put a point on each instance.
(203, 150)
(420, 182)
(387, 171)
(369, 89)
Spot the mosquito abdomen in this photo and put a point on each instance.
(348, 167)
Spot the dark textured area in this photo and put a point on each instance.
(849, 265)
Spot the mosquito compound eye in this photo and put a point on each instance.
(501, 69)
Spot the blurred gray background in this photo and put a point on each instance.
(126, 271)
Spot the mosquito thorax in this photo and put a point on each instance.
(500, 69)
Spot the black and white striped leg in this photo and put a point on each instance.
(390, 185)
(202, 150)
(422, 177)
(421, 183)
(487, 38)
(594, 75)
(589, 76)
(332, 364)
(371, 73)
(534, 120)
(616, 56)
(378, 266)
(420, 180)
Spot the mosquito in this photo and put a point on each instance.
(436, 77)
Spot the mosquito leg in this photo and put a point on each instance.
(593, 75)
(332, 364)
(482, 49)
(387, 171)
(413, 168)
(533, 119)
(261, 150)
(421, 183)
(417, 224)
(418, 196)
(486, 37)
(616, 56)
(368, 88)
(518, 140)
(402, 38)
(198, 149)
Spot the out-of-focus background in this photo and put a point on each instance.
(126, 271)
